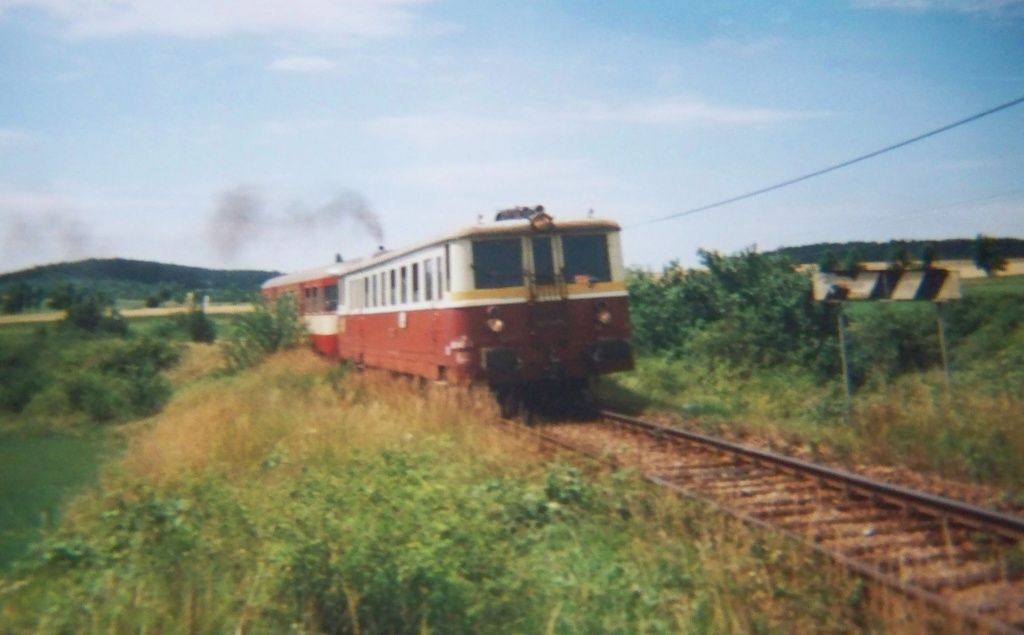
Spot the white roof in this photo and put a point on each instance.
(482, 230)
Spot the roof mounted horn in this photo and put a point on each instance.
(539, 219)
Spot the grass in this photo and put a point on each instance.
(997, 285)
(913, 421)
(38, 474)
(299, 496)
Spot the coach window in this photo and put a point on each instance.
(404, 285)
(497, 263)
(415, 282)
(331, 298)
(586, 256)
(428, 280)
(440, 278)
(447, 267)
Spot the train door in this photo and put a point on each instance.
(548, 298)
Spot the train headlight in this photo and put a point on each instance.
(494, 323)
(603, 314)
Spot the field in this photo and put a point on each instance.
(296, 494)
(299, 496)
(37, 476)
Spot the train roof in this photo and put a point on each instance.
(333, 270)
(494, 229)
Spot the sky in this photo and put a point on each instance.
(275, 134)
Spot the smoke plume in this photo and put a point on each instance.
(48, 232)
(237, 220)
(241, 217)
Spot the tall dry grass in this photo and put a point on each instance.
(298, 496)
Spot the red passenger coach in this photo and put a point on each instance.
(525, 304)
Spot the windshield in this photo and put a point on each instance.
(497, 263)
(586, 256)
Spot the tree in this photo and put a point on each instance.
(929, 255)
(829, 262)
(987, 256)
(18, 298)
(899, 255)
(852, 263)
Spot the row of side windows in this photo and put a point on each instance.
(420, 281)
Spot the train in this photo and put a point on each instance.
(532, 307)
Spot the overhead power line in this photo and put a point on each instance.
(832, 168)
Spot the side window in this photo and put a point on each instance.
(331, 297)
(366, 292)
(428, 280)
(448, 268)
(415, 282)
(440, 279)
(497, 263)
(405, 285)
(586, 256)
(394, 295)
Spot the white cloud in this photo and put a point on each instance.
(441, 128)
(215, 18)
(679, 112)
(432, 129)
(959, 6)
(746, 48)
(303, 65)
(10, 138)
(290, 127)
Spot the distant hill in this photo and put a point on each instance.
(950, 249)
(136, 279)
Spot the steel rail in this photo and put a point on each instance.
(1009, 526)
(938, 507)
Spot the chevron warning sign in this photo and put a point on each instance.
(935, 285)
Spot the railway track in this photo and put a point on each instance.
(964, 560)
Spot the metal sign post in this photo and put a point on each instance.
(841, 328)
(936, 285)
(942, 346)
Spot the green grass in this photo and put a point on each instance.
(37, 475)
(295, 498)
(998, 285)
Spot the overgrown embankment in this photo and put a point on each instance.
(296, 496)
(742, 347)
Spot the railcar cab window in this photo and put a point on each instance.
(497, 263)
(586, 257)
(543, 260)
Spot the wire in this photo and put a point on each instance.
(837, 166)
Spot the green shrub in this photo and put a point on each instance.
(749, 309)
(20, 376)
(198, 326)
(102, 397)
(253, 336)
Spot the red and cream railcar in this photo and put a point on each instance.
(515, 303)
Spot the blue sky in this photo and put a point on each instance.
(236, 134)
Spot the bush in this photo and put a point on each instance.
(255, 335)
(88, 313)
(198, 326)
(887, 340)
(749, 309)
